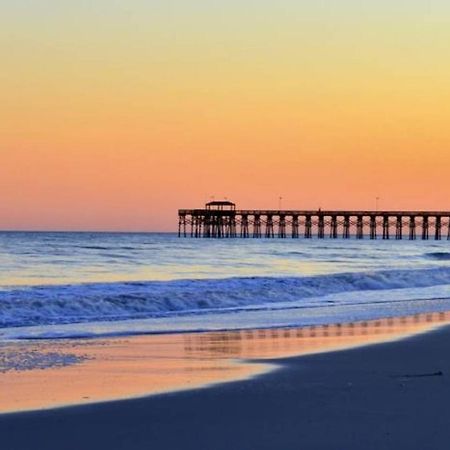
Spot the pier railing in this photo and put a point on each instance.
(232, 223)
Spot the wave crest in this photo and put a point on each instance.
(45, 305)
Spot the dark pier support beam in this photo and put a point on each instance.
(207, 227)
(373, 227)
(334, 227)
(211, 228)
(438, 228)
(359, 227)
(221, 227)
(257, 226)
(198, 230)
(202, 228)
(321, 227)
(196, 225)
(346, 232)
(399, 228)
(308, 227)
(412, 228)
(214, 227)
(230, 227)
(385, 227)
(282, 226)
(192, 225)
(226, 227)
(244, 226)
(269, 227)
(425, 228)
(295, 227)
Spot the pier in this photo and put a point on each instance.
(221, 219)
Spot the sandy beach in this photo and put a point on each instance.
(391, 393)
(43, 374)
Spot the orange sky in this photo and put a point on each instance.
(115, 114)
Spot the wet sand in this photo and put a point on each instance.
(118, 368)
(390, 395)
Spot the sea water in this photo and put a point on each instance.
(99, 284)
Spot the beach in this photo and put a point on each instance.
(133, 341)
(50, 373)
(391, 395)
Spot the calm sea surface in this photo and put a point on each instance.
(93, 284)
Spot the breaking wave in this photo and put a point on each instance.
(46, 305)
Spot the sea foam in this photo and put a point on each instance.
(91, 302)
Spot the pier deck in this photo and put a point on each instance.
(223, 220)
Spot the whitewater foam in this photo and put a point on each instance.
(44, 305)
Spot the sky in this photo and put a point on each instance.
(115, 113)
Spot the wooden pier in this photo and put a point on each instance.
(221, 219)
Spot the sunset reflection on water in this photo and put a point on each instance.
(118, 368)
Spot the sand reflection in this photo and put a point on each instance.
(121, 368)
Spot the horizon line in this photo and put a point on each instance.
(86, 231)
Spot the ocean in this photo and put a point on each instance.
(61, 285)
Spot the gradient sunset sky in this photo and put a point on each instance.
(115, 113)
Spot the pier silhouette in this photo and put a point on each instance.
(221, 219)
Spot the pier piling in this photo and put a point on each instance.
(221, 219)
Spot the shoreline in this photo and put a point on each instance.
(390, 395)
(140, 366)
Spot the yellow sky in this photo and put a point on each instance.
(114, 114)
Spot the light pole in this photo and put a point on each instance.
(279, 203)
(377, 199)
